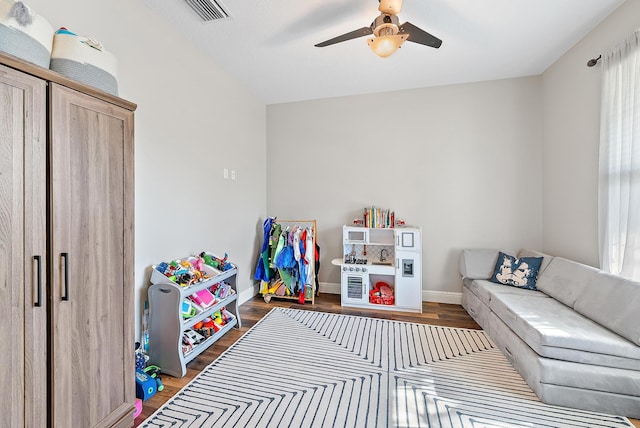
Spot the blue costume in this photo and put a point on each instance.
(263, 272)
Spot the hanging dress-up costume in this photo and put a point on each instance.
(263, 272)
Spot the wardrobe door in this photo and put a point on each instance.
(23, 316)
(91, 167)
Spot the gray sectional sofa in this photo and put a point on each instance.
(575, 340)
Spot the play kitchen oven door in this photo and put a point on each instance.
(355, 286)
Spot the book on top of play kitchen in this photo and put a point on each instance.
(378, 218)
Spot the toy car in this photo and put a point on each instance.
(192, 338)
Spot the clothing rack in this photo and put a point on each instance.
(283, 271)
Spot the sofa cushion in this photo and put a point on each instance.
(544, 322)
(474, 307)
(592, 358)
(565, 280)
(604, 389)
(478, 263)
(613, 302)
(516, 272)
(546, 258)
(485, 290)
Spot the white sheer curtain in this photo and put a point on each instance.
(619, 186)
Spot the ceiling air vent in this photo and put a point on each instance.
(208, 10)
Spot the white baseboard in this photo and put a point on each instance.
(334, 288)
(248, 293)
(442, 297)
(330, 287)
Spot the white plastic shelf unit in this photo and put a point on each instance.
(166, 324)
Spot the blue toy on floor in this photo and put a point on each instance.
(146, 386)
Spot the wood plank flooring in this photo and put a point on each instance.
(253, 310)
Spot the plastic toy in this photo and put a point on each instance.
(186, 348)
(209, 260)
(308, 291)
(264, 287)
(221, 290)
(145, 327)
(184, 272)
(217, 318)
(192, 338)
(274, 287)
(141, 357)
(146, 386)
(198, 264)
(162, 267)
(207, 332)
(226, 315)
(188, 311)
(205, 328)
(382, 294)
(203, 298)
(216, 262)
(154, 372)
(197, 276)
(138, 410)
(172, 268)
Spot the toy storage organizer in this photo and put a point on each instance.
(167, 324)
(290, 277)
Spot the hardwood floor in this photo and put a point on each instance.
(253, 310)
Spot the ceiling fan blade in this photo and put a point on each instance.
(418, 35)
(390, 7)
(364, 31)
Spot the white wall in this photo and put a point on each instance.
(192, 121)
(571, 132)
(462, 162)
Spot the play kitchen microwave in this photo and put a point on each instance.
(355, 235)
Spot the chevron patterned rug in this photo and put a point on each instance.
(311, 369)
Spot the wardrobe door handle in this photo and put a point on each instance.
(38, 302)
(65, 256)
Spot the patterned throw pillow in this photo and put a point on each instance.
(521, 273)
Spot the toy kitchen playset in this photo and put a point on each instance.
(381, 268)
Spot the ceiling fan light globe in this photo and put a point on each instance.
(385, 46)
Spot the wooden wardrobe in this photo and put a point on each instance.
(66, 252)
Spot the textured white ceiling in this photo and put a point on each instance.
(268, 45)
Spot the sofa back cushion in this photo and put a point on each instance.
(565, 280)
(614, 303)
(478, 263)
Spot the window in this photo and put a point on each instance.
(619, 181)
